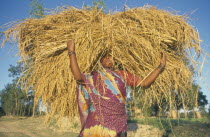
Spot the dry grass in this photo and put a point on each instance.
(135, 37)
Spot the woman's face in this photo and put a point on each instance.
(107, 61)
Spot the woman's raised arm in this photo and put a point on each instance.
(147, 81)
(73, 61)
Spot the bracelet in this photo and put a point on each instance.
(160, 67)
(71, 52)
(79, 81)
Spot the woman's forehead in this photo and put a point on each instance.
(106, 54)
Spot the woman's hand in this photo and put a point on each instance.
(163, 59)
(70, 45)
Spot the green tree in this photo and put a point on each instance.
(98, 3)
(209, 109)
(202, 100)
(14, 100)
(7, 99)
(183, 101)
(2, 113)
(194, 100)
(37, 10)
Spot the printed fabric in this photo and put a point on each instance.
(101, 101)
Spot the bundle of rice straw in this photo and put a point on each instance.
(135, 37)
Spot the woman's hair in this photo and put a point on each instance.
(95, 64)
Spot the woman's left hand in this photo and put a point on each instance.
(163, 59)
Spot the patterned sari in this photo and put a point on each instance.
(101, 101)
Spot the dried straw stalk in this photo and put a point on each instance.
(135, 37)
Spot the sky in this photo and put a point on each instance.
(197, 10)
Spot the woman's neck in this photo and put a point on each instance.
(109, 68)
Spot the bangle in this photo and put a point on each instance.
(160, 67)
(79, 81)
(71, 52)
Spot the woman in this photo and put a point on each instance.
(101, 96)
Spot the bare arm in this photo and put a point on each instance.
(73, 61)
(147, 81)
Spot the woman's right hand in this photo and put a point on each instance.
(70, 45)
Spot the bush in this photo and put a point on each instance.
(2, 113)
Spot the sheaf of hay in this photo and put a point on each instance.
(135, 37)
